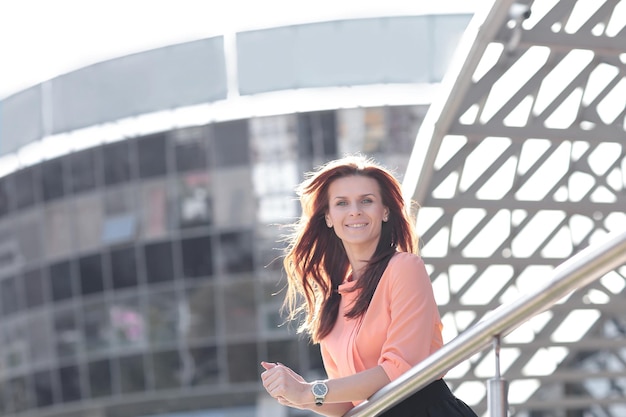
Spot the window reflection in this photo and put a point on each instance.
(197, 257)
(69, 377)
(132, 373)
(195, 199)
(403, 123)
(242, 362)
(151, 152)
(123, 267)
(236, 206)
(231, 143)
(128, 324)
(52, 177)
(58, 230)
(100, 378)
(317, 133)
(6, 194)
(91, 274)
(199, 313)
(240, 308)
(29, 234)
(19, 394)
(166, 367)
(273, 144)
(159, 262)
(164, 317)
(191, 148)
(34, 290)
(14, 342)
(43, 387)
(235, 252)
(61, 276)
(87, 216)
(40, 338)
(82, 167)
(273, 138)
(155, 208)
(67, 333)
(285, 351)
(11, 295)
(120, 220)
(24, 188)
(116, 158)
(96, 327)
(204, 368)
(10, 259)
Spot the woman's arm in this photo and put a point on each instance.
(292, 390)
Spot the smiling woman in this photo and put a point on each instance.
(368, 298)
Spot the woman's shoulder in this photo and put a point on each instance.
(405, 259)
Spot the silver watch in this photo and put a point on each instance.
(319, 389)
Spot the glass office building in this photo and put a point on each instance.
(139, 267)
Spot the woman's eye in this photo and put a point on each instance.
(367, 201)
(341, 203)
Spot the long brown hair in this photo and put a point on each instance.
(316, 261)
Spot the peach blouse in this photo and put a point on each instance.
(400, 328)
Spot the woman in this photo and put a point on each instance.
(368, 299)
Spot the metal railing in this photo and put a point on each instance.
(583, 268)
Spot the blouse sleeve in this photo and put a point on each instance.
(415, 327)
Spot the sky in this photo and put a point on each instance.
(41, 39)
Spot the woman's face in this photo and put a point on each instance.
(356, 210)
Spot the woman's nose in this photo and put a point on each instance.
(355, 209)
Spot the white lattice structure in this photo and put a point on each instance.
(521, 165)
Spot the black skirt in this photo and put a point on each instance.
(434, 400)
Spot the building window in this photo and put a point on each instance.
(117, 159)
(34, 290)
(156, 208)
(240, 309)
(6, 194)
(67, 333)
(83, 166)
(91, 274)
(61, 276)
(191, 148)
(197, 257)
(235, 253)
(53, 179)
(242, 362)
(151, 154)
(231, 143)
(24, 188)
(100, 378)
(58, 230)
(195, 200)
(123, 267)
(159, 262)
(11, 295)
(132, 374)
(43, 387)
(69, 377)
(317, 133)
(164, 318)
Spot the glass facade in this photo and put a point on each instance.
(138, 277)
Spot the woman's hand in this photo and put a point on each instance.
(285, 385)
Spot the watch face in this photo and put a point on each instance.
(320, 389)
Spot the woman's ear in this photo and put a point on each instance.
(328, 222)
(386, 214)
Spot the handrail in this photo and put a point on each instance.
(581, 269)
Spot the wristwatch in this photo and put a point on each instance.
(319, 389)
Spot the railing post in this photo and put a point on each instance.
(497, 388)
